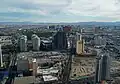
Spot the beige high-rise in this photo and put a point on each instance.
(80, 47)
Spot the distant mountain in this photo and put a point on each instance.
(91, 23)
(9, 23)
(74, 23)
(100, 23)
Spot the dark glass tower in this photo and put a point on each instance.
(98, 70)
(60, 40)
(102, 68)
(105, 67)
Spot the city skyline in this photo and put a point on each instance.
(59, 10)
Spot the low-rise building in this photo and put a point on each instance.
(5, 40)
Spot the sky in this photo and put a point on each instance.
(59, 10)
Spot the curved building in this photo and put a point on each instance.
(23, 43)
(35, 42)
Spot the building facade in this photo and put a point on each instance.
(23, 43)
(35, 42)
(60, 41)
(79, 44)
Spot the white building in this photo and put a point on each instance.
(23, 43)
(48, 78)
(35, 42)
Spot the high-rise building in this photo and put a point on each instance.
(1, 58)
(105, 67)
(80, 47)
(71, 44)
(78, 36)
(34, 67)
(60, 40)
(35, 42)
(98, 70)
(70, 41)
(23, 43)
(102, 68)
(99, 41)
(80, 44)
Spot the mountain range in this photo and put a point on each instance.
(74, 23)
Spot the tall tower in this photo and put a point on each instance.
(102, 68)
(98, 70)
(35, 42)
(34, 67)
(1, 59)
(72, 43)
(79, 44)
(78, 36)
(23, 43)
(105, 67)
(60, 40)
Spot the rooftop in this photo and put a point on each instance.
(24, 80)
(49, 78)
(48, 71)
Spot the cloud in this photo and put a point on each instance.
(33, 6)
(107, 8)
(60, 10)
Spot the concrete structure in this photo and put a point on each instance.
(35, 42)
(23, 43)
(1, 58)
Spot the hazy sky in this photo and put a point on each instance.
(59, 10)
